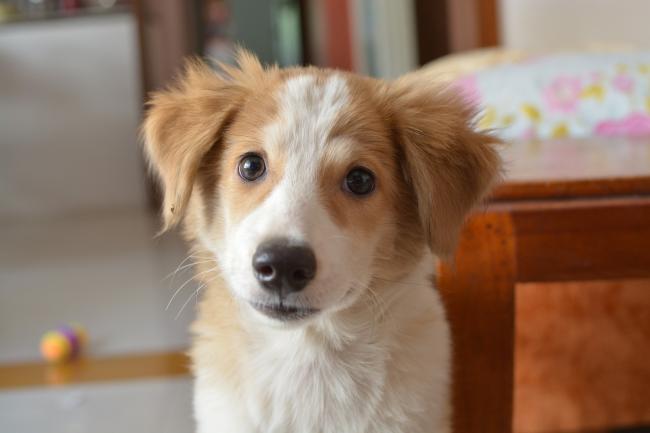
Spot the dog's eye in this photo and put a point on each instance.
(251, 167)
(359, 181)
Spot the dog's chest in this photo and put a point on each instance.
(314, 387)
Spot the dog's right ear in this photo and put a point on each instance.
(182, 124)
(449, 165)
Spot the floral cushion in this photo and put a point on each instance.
(563, 95)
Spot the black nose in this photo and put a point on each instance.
(283, 268)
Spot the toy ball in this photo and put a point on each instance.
(64, 343)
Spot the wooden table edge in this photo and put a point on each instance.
(570, 188)
(87, 369)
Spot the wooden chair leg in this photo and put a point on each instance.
(478, 290)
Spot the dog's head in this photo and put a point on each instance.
(310, 185)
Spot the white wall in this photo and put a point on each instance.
(572, 24)
(69, 113)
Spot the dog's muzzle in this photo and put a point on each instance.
(282, 268)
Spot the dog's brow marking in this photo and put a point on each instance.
(308, 111)
(309, 108)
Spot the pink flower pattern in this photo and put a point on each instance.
(634, 125)
(563, 94)
(605, 97)
(623, 83)
(467, 87)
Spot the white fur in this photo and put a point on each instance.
(343, 371)
(342, 374)
(307, 114)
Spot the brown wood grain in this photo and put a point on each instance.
(432, 29)
(567, 189)
(488, 16)
(125, 367)
(581, 356)
(576, 210)
(580, 239)
(478, 291)
(587, 240)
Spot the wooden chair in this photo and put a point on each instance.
(583, 220)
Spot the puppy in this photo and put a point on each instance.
(318, 201)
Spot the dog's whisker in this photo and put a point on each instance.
(375, 303)
(171, 274)
(191, 256)
(383, 302)
(182, 265)
(185, 284)
(183, 307)
(188, 265)
(194, 295)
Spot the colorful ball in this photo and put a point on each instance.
(64, 343)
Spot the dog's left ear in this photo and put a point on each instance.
(449, 165)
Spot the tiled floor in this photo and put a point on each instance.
(151, 406)
(106, 272)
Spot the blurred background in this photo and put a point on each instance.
(78, 213)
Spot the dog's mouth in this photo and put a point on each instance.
(284, 312)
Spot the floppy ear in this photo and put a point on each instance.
(449, 165)
(182, 124)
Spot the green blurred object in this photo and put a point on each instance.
(7, 12)
(288, 42)
(272, 29)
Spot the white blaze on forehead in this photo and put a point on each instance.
(308, 112)
(308, 109)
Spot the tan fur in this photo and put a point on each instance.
(431, 168)
(186, 120)
(220, 342)
(449, 165)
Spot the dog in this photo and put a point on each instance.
(319, 202)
